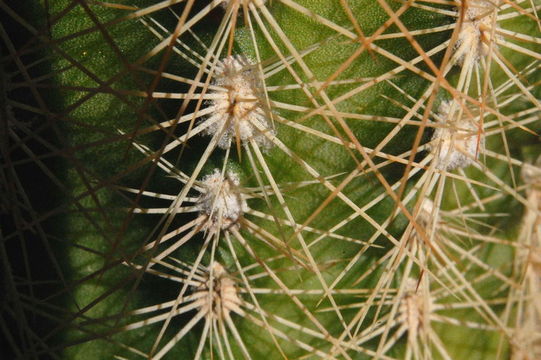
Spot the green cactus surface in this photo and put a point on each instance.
(271, 179)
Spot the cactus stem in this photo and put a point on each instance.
(238, 108)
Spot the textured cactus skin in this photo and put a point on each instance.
(99, 99)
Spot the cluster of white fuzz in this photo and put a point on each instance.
(476, 32)
(221, 201)
(455, 144)
(217, 296)
(239, 113)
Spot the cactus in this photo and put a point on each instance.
(251, 179)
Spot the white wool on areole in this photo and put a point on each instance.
(457, 142)
(221, 200)
(237, 99)
(475, 35)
